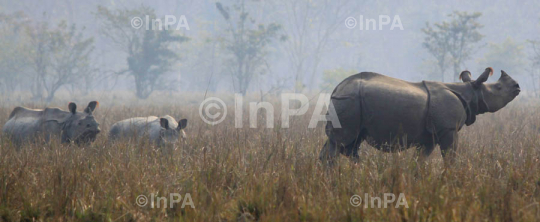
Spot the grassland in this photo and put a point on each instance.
(268, 174)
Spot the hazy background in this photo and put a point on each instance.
(301, 46)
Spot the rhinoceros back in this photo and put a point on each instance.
(136, 127)
(26, 124)
(20, 128)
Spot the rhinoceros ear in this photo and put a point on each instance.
(72, 107)
(465, 76)
(182, 124)
(482, 78)
(164, 123)
(91, 107)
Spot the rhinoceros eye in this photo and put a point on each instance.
(80, 123)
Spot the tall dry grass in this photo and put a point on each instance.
(269, 174)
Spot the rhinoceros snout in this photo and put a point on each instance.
(516, 92)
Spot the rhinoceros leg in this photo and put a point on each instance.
(351, 150)
(424, 150)
(329, 152)
(448, 142)
(49, 130)
(346, 137)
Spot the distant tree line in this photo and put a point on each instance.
(451, 43)
(44, 59)
(44, 56)
(41, 57)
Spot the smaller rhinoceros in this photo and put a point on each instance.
(160, 131)
(30, 125)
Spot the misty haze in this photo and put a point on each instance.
(285, 110)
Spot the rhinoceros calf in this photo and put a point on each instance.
(391, 114)
(161, 131)
(27, 125)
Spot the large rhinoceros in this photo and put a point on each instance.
(30, 125)
(160, 131)
(392, 114)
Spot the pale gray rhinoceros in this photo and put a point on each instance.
(392, 114)
(161, 131)
(30, 125)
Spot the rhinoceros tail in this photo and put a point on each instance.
(428, 122)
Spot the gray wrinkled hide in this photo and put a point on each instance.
(391, 114)
(28, 125)
(147, 127)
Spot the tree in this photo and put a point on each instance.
(436, 42)
(430, 70)
(149, 53)
(202, 67)
(69, 58)
(536, 50)
(38, 56)
(456, 38)
(58, 57)
(535, 63)
(463, 30)
(310, 26)
(247, 43)
(13, 41)
(508, 55)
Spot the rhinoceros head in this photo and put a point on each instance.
(495, 95)
(81, 127)
(170, 135)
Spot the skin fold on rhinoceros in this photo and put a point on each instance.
(31, 125)
(391, 114)
(160, 131)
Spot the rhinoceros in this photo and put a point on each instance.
(160, 131)
(391, 114)
(30, 125)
